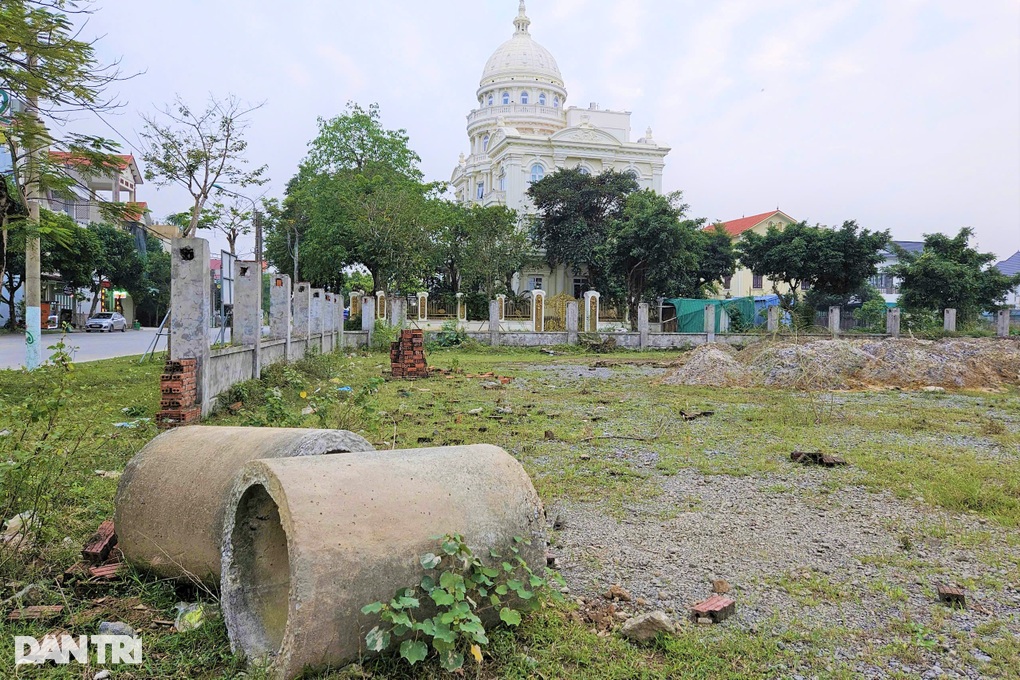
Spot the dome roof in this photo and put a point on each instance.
(521, 57)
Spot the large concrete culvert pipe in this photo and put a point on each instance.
(307, 543)
(172, 496)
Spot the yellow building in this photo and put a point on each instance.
(743, 282)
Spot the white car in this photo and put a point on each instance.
(106, 321)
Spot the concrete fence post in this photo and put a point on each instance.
(461, 308)
(191, 309)
(592, 302)
(834, 321)
(642, 324)
(1002, 323)
(368, 316)
(279, 311)
(949, 324)
(247, 325)
(572, 320)
(423, 306)
(327, 323)
(494, 323)
(538, 311)
(398, 311)
(773, 322)
(315, 314)
(892, 322)
(302, 311)
(710, 322)
(501, 299)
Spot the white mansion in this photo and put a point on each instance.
(523, 130)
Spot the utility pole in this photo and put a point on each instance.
(33, 248)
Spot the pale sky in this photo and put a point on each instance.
(901, 114)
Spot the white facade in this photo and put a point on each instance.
(523, 130)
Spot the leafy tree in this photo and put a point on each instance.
(233, 221)
(151, 291)
(200, 149)
(479, 248)
(717, 259)
(73, 256)
(357, 140)
(119, 263)
(45, 65)
(653, 249)
(358, 200)
(836, 262)
(949, 274)
(575, 215)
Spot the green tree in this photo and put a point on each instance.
(575, 215)
(833, 262)
(478, 248)
(717, 259)
(356, 140)
(950, 274)
(654, 249)
(200, 149)
(151, 291)
(119, 263)
(358, 201)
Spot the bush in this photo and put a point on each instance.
(451, 335)
(871, 315)
(383, 335)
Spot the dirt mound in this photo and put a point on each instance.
(711, 366)
(848, 364)
(822, 365)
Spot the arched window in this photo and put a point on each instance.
(556, 102)
(524, 97)
(633, 174)
(485, 143)
(506, 98)
(537, 172)
(490, 100)
(541, 99)
(583, 170)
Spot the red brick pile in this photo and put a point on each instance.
(407, 355)
(179, 388)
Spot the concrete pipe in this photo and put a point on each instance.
(172, 496)
(307, 543)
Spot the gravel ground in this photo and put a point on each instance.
(785, 532)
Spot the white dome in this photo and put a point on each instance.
(521, 58)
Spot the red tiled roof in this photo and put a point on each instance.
(737, 227)
(125, 161)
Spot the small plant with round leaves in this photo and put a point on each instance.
(460, 591)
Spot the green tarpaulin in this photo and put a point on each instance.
(690, 314)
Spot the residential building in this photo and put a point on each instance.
(1011, 267)
(887, 284)
(744, 282)
(523, 130)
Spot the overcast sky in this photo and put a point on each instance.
(901, 114)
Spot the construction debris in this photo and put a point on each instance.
(954, 597)
(407, 355)
(97, 549)
(817, 458)
(715, 609)
(36, 613)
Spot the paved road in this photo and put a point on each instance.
(90, 346)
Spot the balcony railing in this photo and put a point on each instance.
(82, 212)
(517, 110)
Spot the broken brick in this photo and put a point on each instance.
(717, 608)
(97, 549)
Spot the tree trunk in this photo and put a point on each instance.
(12, 308)
(96, 292)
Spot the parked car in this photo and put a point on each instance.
(106, 321)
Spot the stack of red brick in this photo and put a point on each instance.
(407, 355)
(179, 388)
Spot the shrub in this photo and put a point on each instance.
(451, 335)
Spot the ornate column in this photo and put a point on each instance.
(423, 306)
(380, 305)
(592, 300)
(501, 300)
(538, 311)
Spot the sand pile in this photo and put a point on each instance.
(711, 366)
(848, 364)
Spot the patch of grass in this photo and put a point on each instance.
(810, 587)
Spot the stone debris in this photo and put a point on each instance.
(617, 593)
(647, 627)
(930, 366)
(116, 628)
(721, 586)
